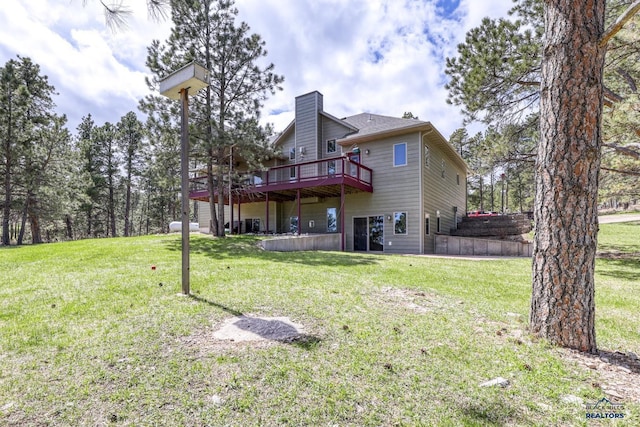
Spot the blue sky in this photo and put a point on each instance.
(379, 56)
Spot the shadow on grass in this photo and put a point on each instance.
(619, 359)
(215, 304)
(625, 266)
(247, 246)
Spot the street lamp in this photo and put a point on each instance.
(176, 86)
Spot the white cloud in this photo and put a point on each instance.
(381, 56)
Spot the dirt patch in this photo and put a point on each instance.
(416, 301)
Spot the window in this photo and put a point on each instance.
(400, 223)
(331, 146)
(332, 220)
(252, 225)
(427, 156)
(292, 153)
(400, 154)
(293, 224)
(458, 178)
(331, 167)
(292, 172)
(427, 225)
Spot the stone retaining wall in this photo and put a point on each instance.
(455, 245)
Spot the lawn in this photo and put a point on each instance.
(90, 334)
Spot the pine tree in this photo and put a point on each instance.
(567, 166)
(130, 141)
(227, 111)
(25, 113)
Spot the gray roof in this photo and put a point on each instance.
(369, 124)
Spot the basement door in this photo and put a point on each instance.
(368, 233)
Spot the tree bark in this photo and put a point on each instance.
(567, 164)
(127, 205)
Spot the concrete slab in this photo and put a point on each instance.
(246, 328)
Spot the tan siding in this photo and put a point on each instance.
(331, 130)
(395, 190)
(441, 194)
(307, 131)
(257, 210)
(316, 212)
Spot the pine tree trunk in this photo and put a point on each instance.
(221, 190)
(6, 210)
(213, 222)
(127, 205)
(568, 160)
(69, 226)
(23, 223)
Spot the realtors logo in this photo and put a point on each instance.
(604, 409)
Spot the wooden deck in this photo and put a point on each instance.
(319, 178)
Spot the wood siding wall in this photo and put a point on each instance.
(440, 194)
(307, 127)
(395, 189)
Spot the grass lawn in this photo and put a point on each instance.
(91, 335)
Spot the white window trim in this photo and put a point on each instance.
(335, 146)
(406, 223)
(427, 156)
(336, 217)
(406, 155)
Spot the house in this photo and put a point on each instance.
(378, 183)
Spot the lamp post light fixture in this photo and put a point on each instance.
(176, 86)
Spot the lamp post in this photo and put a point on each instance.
(176, 86)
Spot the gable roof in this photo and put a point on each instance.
(291, 126)
(374, 125)
(366, 127)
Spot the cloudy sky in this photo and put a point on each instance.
(378, 56)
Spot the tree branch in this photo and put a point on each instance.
(617, 26)
(624, 150)
(632, 173)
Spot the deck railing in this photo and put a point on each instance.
(332, 170)
(337, 167)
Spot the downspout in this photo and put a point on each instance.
(421, 172)
(266, 227)
(299, 212)
(342, 215)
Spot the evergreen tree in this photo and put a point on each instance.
(93, 167)
(25, 113)
(130, 140)
(46, 174)
(161, 175)
(567, 166)
(496, 77)
(499, 83)
(227, 111)
(105, 138)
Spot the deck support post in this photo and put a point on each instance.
(299, 212)
(342, 237)
(239, 222)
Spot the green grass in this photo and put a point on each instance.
(91, 335)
